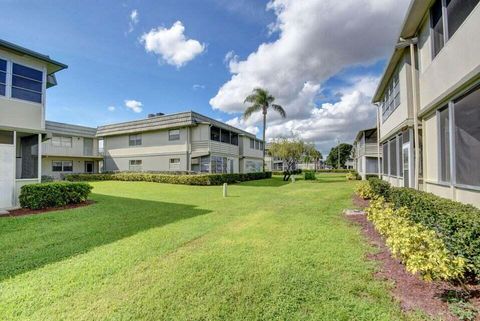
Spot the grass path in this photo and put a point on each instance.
(146, 251)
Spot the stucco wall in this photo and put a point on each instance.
(78, 166)
(157, 163)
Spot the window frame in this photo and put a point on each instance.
(135, 166)
(136, 140)
(62, 141)
(62, 166)
(440, 146)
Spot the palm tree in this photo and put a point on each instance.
(261, 100)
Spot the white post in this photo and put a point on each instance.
(224, 189)
(39, 158)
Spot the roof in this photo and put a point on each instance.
(415, 13)
(69, 129)
(52, 65)
(183, 119)
(368, 132)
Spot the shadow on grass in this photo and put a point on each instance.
(30, 242)
(275, 181)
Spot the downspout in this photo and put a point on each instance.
(379, 162)
(415, 112)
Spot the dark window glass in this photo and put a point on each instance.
(3, 77)
(68, 166)
(3, 65)
(385, 159)
(27, 72)
(400, 153)
(56, 166)
(444, 147)
(26, 83)
(437, 27)
(252, 143)
(393, 157)
(2, 90)
(215, 134)
(234, 139)
(225, 136)
(26, 95)
(457, 12)
(467, 139)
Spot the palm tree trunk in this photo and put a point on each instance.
(264, 143)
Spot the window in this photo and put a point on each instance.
(62, 141)
(101, 145)
(252, 143)
(392, 151)
(443, 28)
(444, 146)
(205, 164)
(219, 164)
(3, 77)
(27, 83)
(257, 144)
(234, 139)
(135, 165)
(385, 158)
(174, 134)
(135, 140)
(399, 155)
(467, 139)
(261, 145)
(215, 133)
(6, 137)
(253, 166)
(225, 136)
(62, 166)
(457, 12)
(391, 99)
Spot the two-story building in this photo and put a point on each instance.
(181, 142)
(25, 76)
(429, 101)
(69, 149)
(365, 153)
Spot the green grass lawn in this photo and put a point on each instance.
(145, 251)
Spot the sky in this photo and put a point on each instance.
(321, 59)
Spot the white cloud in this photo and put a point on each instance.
(134, 105)
(246, 125)
(316, 40)
(230, 57)
(111, 108)
(172, 45)
(198, 86)
(133, 20)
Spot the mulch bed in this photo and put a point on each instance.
(409, 290)
(27, 211)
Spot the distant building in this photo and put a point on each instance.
(365, 153)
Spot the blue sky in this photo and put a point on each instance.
(109, 64)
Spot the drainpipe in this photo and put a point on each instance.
(379, 162)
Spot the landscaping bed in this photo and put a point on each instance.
(27, 211)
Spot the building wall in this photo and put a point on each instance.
(78, 166)
(247, 151)
(21, 114)
(154, 163)
(77, 148)
(455, 64)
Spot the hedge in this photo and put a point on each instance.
(457, 224)
(57, 194)
(309, 175)
(200, 179)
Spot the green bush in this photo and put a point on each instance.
(333, 170)
(201, 179)
(353, 176)
(43, 195)
(458, 224)
(418, 247)
(364, 190)
(309, 175)
(380, 187)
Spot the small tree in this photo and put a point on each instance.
(345, 150)
(290, 151)
(311, 154)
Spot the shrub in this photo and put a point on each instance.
(457, 224)
(43, 195)
(334, 170)
(47, 179)
(364, 190)
(201, 179)
(419, 248)
(352, 176)
(380, 187)
(310, 175)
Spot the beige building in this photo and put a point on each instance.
(365, 153)
(181, 142)
(429, 101)
(69, 149)
(25, 76)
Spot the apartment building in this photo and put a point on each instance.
(365, 153)
(25, 76)
(69, 149)
(181, 142)
(429, 101)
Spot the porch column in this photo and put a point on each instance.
(39, 158)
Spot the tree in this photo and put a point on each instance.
(290, 151)
(261, 100)
(311, 154)
(345, 150)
